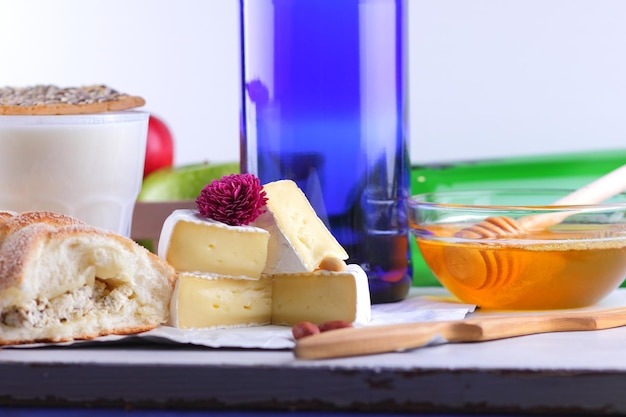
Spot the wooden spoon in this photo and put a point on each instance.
(595, 192)
(398, 337)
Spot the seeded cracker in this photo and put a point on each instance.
(50, 99)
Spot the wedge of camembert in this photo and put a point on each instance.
(299, 240)
(321, 296)
(193, 243)
(209, 301)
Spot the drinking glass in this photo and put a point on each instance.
(89, 166)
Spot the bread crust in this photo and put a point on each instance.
(11, 222)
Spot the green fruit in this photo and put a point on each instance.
(183, 182)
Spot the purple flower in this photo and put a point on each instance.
(236, 199)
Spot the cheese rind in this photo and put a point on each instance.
(192, 243)
(205, 301)
(321, 296)
(299, 240)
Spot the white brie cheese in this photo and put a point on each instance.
(321, 296)
(299, 240)
(208, 301)
(192, 243)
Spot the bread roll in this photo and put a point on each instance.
(63, 280)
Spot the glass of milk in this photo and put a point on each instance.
(88, 166)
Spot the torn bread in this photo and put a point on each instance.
(62, 280)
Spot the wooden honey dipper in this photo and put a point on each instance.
(595, 192)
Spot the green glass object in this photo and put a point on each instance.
(563, 170)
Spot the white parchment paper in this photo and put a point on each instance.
(416, 308)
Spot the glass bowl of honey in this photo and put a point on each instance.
(518, 250)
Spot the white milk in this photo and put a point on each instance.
(87, 166)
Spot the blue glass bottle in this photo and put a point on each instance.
(323, 104)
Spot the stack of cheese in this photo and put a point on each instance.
(284, 268)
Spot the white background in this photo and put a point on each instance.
(488, 78)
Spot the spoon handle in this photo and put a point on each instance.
(594, 192)
(599, 190)
(398, 337)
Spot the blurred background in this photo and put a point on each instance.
(488, 78)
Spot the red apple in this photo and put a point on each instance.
(159, 147)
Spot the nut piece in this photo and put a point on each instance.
(303, 329)
(334, 325)
(306, 328)
(332, 264)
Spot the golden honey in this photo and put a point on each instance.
(554, 269)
